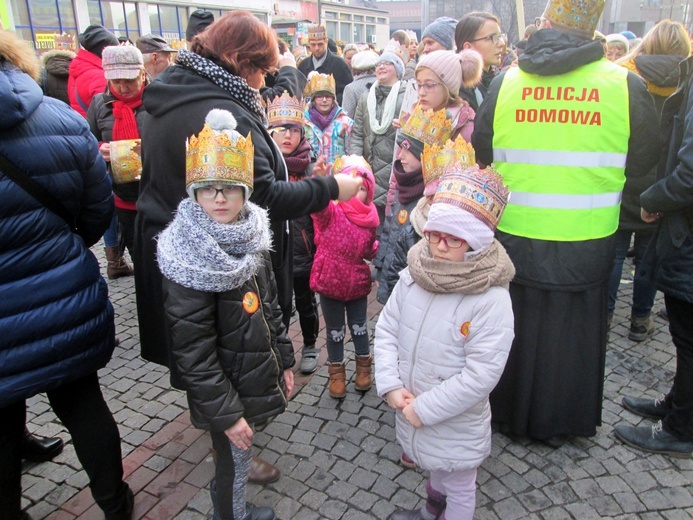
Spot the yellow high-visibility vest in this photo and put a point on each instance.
(560, 143)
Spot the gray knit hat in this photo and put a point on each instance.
(442, 30)
(391, 57)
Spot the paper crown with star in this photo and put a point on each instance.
(285, 110)
(479, 192)
(219, 154)
(436, 159)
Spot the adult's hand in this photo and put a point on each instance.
(648, 217)
(348, 186)
(105, 149)
(286, 60)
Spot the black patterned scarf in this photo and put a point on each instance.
(237, 86)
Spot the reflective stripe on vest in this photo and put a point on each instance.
(560, 143)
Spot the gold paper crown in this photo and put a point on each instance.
(320, 83)
(285, 110)
(350, 160)
(428, 126)
(317, 32)
(436, 160)
(579, 17)
(480, 192)
(214, 156)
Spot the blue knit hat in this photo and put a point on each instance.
(442, 30)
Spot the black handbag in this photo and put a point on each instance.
(37, 191)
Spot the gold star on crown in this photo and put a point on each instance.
(436, 160)
(285, 110)
(214, 156)
(428, 126)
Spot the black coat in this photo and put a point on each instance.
(669, 259)
(177, 102)
(577, 265)
(334, 65)
(230, 361)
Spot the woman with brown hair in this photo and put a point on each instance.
(481, 32)
(225, 69)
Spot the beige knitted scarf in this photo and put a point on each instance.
(473, 276)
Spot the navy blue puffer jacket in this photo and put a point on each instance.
(56, 323)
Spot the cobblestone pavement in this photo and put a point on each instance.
(340, 460)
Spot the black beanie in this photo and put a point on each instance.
(96, 38)
(332, 45)
(199, 21)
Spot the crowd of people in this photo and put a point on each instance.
(491, 195)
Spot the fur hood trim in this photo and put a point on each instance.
(19, 53)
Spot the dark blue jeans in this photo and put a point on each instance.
(679, 421)
(643, 291)
(356, 316)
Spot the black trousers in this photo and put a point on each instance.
(80, 406)
(307, 308)
(126, 221)
(679, 421)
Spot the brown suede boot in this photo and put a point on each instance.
(337, 372)
(117, 266)
(363, 373)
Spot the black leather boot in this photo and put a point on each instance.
(35, 449)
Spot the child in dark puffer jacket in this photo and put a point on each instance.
(229, 344)
(345, 238)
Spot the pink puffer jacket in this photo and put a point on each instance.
(339, 270)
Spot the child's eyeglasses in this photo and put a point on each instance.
(283, 130)
(210, 192)
(452, 242)
(427, 87)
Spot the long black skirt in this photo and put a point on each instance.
(554, 378)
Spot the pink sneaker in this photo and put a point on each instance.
(407, 462)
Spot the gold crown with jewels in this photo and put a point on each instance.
(436, 159)
(285, 110)
(428, 126)
(215, 156)
(317, 32)
(479, 192)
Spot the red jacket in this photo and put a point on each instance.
(339, 270)
(85, 81)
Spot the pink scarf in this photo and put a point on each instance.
(364, 215)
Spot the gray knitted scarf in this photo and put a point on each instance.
(202, 254)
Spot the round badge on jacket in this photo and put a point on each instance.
(250, 302)
(402, 216)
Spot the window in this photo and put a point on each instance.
(358, 18)
(382, 20)
(358, 33)
(118, 17)
(48, 24)
(370, 19)
(330, 14)
(344, 16)
(345, 32)
(332, 31)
